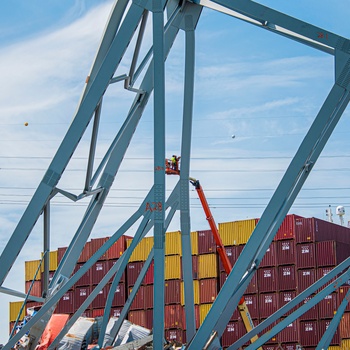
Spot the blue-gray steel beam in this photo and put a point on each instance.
(330, 331)
(189, 26)
(300, 311)
(22, 295)
(290, 27)
(278, 207)
(293, 303)
(46, 248)
(159, 172)
(70, 141)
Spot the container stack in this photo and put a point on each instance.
(303, 250)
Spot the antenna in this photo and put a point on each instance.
(341, 212)
(329, 214)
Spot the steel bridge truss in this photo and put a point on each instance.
(128, 19)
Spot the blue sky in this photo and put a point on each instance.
(262, 88)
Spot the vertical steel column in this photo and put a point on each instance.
(159, 172)
(46, 248)
(185, 174)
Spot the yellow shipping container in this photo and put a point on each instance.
(15, 307)
(195, 292)
(345, 344)
(30, 270)
(172, 267)
(142, 250)
(194, 242)
(53, 261)
(236, 232)
(336, 347)
(203, 311)
(173, 243)
(207, 266)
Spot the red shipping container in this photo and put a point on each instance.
(133, 270)
(273, 340)
(100, 299)
(51, 273)
(306, 256)
(149, 277)
(306, 277)
(66, 304)
(287, 228)
(115, 312)
(123, 278)
(323, 271)
(80, 294)
(172, 292)
(98, 312)
(342, 291)
(309, 333)
(117, 249)
(206, 242)
(289, 334)
(148, 290)
(119, 295)
(208, 290)
(252, 302)
(285, 297)
(35, 288)
(99, 270)
(231, 253)
(173, 316)
(268, 304)
(194, 267)
(324, 324)
(196, 316)
(331, 253)
(271, 347)
(290, 346)
(85, 280)
(149, 318)
(287, 277)
(328, 306)
(267, 279)
(253, 285)
(344, 326)
(174, 335)
(60, 253)
(270, 257)
(138, 317)
(285, 251)
(304, 230)
(139, 300)
(85, 254)
(96, 244)
(311, 314)
(234, 331)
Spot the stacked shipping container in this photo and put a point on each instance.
(304, 249)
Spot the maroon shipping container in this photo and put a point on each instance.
(252, 286)
(323, 271)
(66, 304)
(344, 326)
(267, 279)
(270, 257)
(174, 335)
(35, 288)
(99, 270)
(115, 312)
(312, 313)
(96, 244)
(305, 278)
(331, 253)
(139, 300)
(100, 299)
(289, 334)
(290, 346)
(173, 316)
(118, 248)
(60, 253)
(148, 291)
(324, 324)
(252, 302)
(133, 270)
(149, 318)
(111, 263)
(85, 280)
(208, 290)
(80, 294)
(172, 292)
(231, 253)
(234, 331)
(119, 295)
(196, 317)
(287, 277)
(51, 274)
(149, 277)
(306, 256)
(287, 228)
(138, 317)
(268, 304)
(342, 291)
(285, 251)
(328, 306)
(85, 254)
(86, 313)
(285, 297)
(304, 231)
(194, 267)
(309, 333)
(272, 340)
(206, 242)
